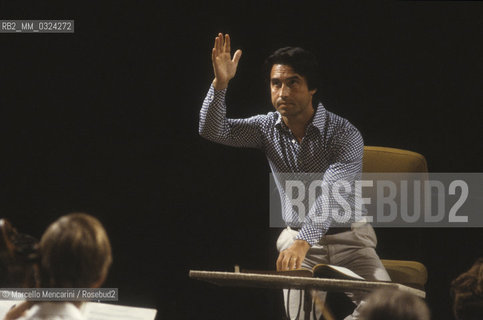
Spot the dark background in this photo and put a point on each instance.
(105, 121)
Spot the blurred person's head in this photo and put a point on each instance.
(467, 293)
(18, 258)
(394, 304)
(75, 253)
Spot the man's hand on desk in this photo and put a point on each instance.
(292, 257)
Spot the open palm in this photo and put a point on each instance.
(223, 64)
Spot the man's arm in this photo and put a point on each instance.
(346, 166)
(213, 123)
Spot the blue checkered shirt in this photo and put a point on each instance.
(331, 147)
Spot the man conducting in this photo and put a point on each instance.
(301, 136)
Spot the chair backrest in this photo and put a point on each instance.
(384, 159)
(394, 163)
(409, 273)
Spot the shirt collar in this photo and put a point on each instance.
(318, 121)
(319, 118)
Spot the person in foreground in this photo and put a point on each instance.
(467, 293)
(394, 304)
(18, 258)
(301, 136)
(75, 253)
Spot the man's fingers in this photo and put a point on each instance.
(227, 43)
(222, 43)
(286, 261)
(282, 261)
(292, 257)
(237, 56)
(279, 262)
(219, 42)
(216, 48)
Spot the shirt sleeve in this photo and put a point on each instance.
(347, 152)
(215, 126)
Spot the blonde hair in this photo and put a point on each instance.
(394, 304)
(75, 252)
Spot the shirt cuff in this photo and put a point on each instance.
(310, 234)
(216, 95)
(222, 91)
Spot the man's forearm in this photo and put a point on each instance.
(215, 126)
(311, 234)
(213, 114)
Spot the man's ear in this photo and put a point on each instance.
(312, 92)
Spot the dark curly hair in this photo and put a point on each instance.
(467, 293)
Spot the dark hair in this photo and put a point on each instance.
(394, 304)
(18, 258)
(467, 293)
(302, 62)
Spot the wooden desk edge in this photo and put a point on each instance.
(279, 281)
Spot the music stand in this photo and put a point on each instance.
(279, 281)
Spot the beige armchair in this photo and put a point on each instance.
(383, 159)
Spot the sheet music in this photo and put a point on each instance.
(98, 311)
(346, 271)
(104, 311)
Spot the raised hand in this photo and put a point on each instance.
(223, 65)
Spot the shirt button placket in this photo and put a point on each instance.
(300, 155)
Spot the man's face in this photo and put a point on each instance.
(290, 93)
